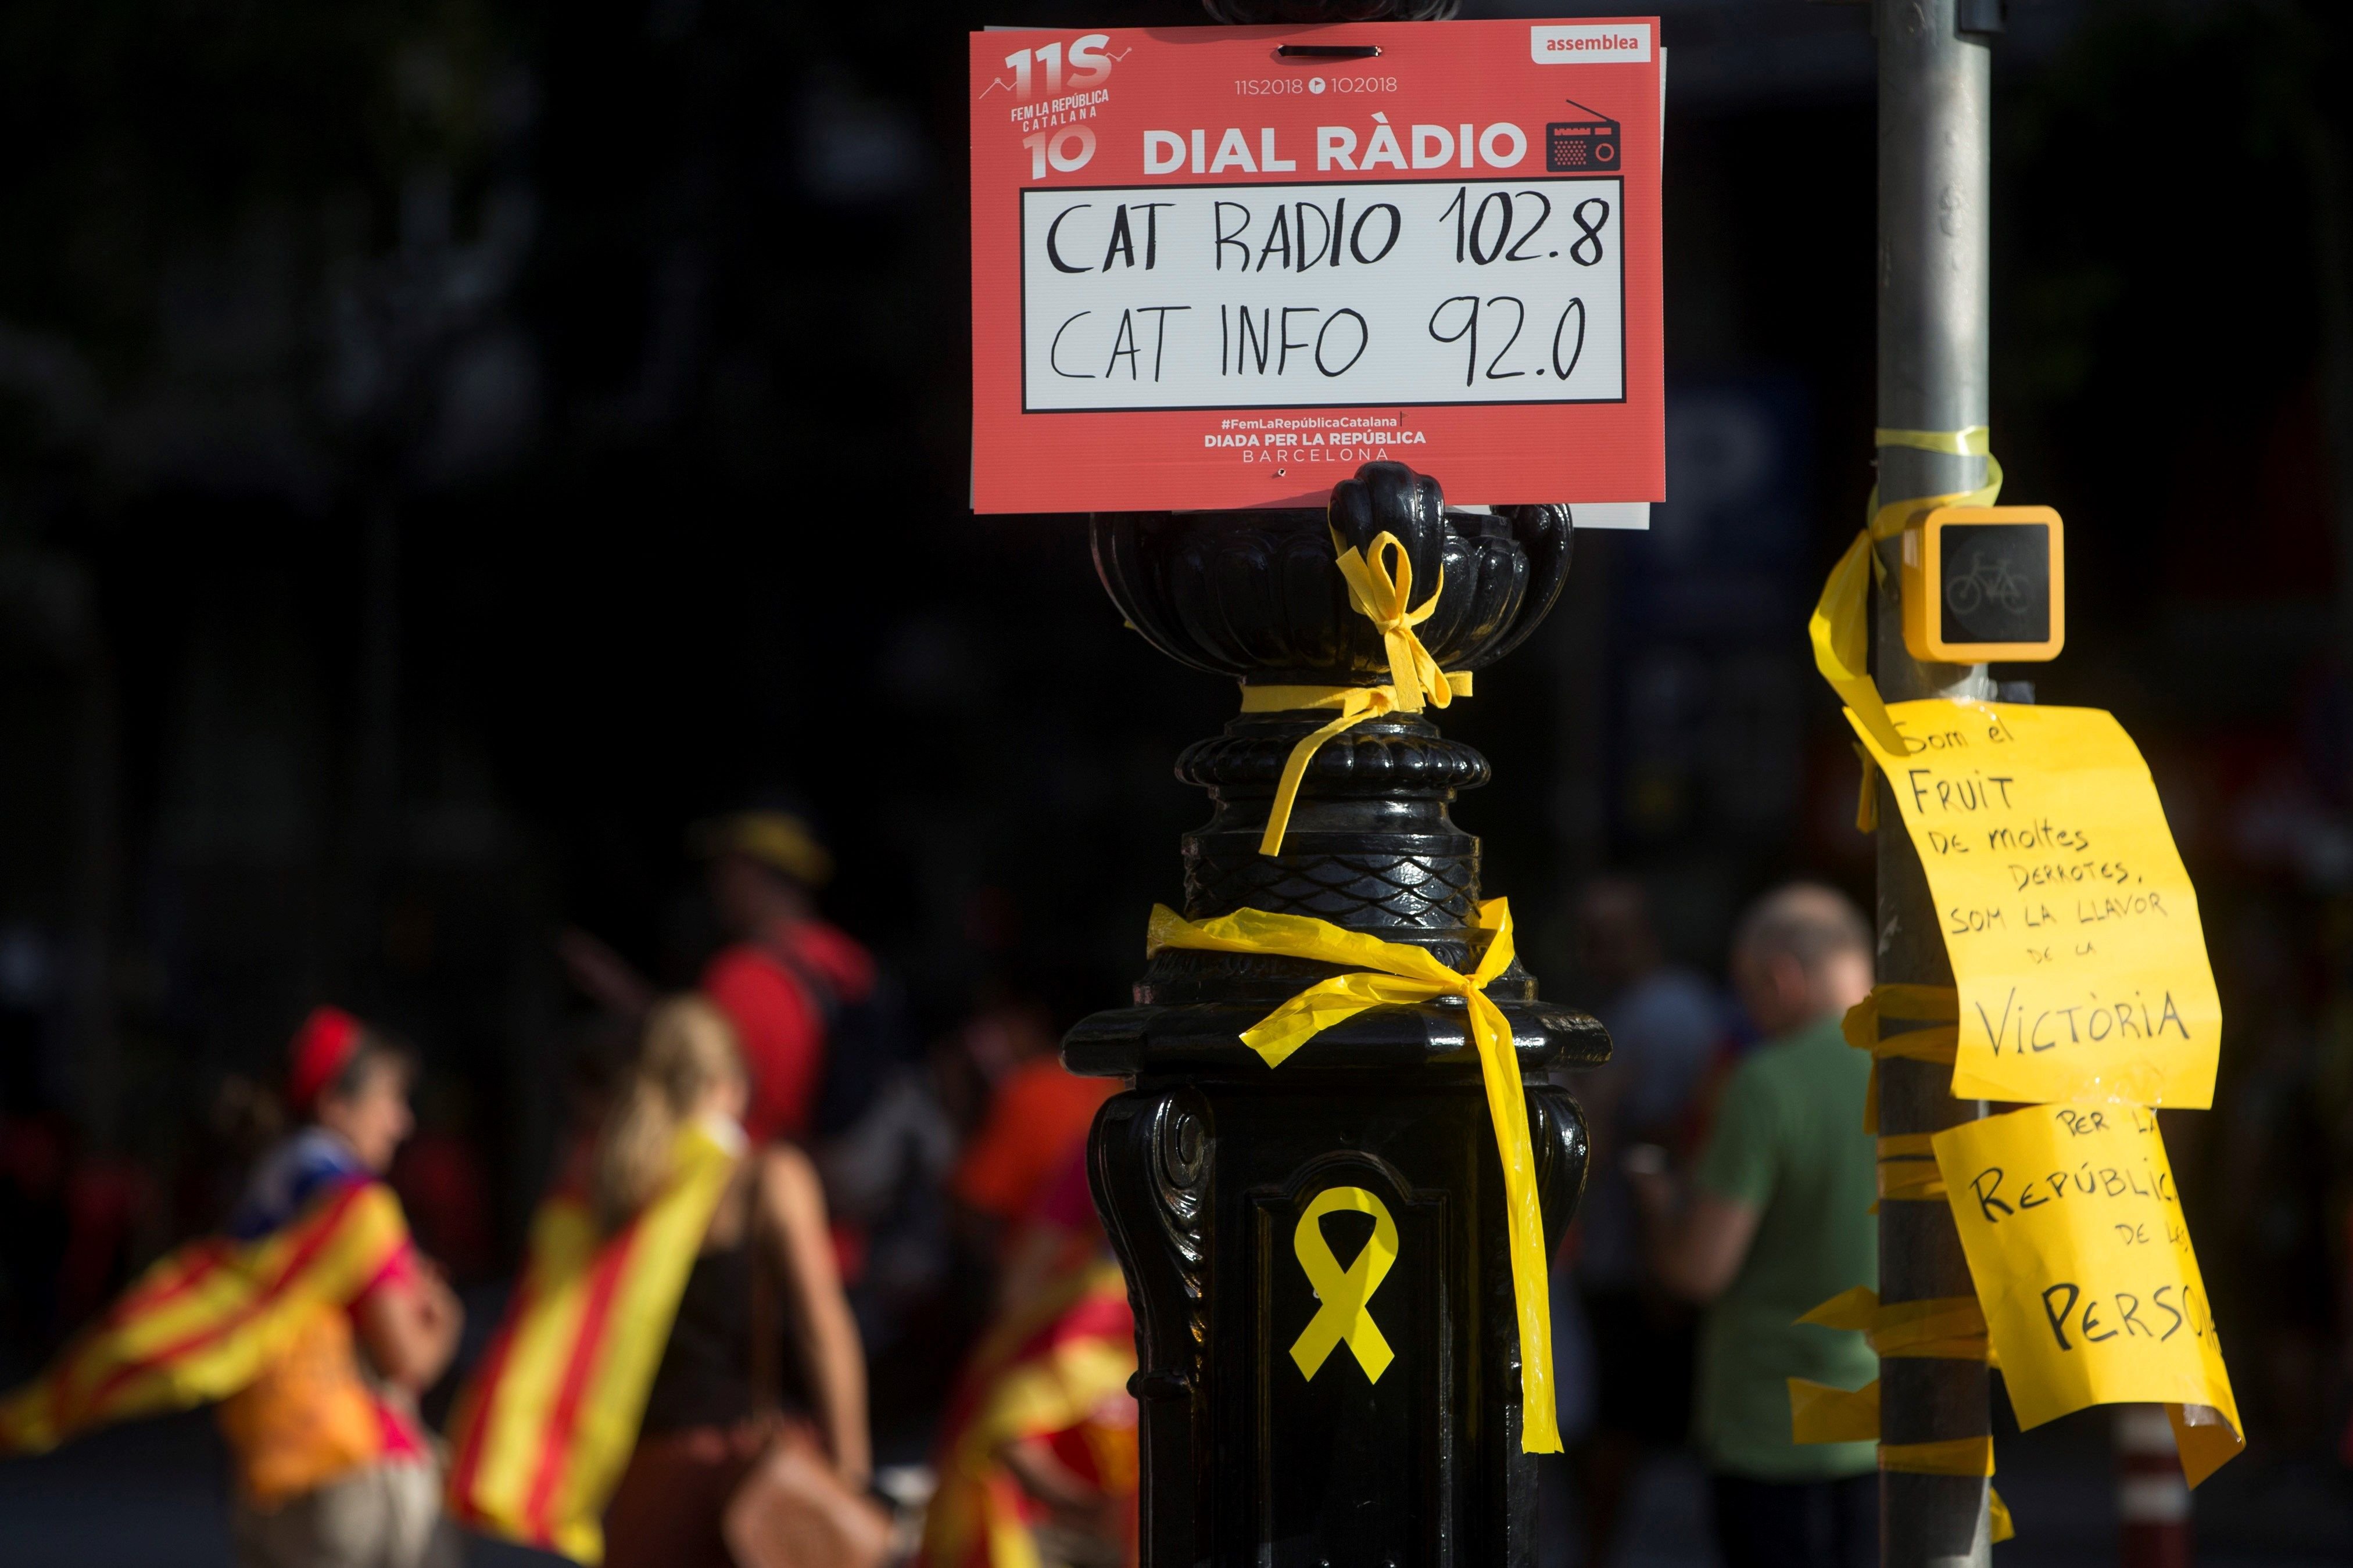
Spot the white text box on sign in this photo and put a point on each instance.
(1415, 293)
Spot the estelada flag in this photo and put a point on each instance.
(206, 1319)
(544, 1428)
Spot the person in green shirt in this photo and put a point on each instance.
(1776, 1220)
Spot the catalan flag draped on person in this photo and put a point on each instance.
(207, 1320)
(1054, 1371)
(544, 1428)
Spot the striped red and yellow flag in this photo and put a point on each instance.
(544, 1426)
(1050, 1368)
(204, 1321)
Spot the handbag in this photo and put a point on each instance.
(793, 1512)
(791, 1509)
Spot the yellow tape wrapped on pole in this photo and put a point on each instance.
(1907, 1169)
(1840, 627)
(1942, 1328)
(1945, 1328)
(1907, 1164)
(1937, 1004)
(1824, 1415)
(1390, 974)
(1380, 588)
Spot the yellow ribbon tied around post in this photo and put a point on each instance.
(1346, 1293)
(1840, 627)
(1943, 1327)
(1380, 588)
(1395, 975)
(1938, 1006)
(1356, 703)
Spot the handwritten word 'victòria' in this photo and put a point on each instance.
(2091, 1020)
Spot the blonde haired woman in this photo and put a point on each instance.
(761, 1350)
(720, 1393)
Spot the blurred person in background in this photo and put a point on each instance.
(313, 1320)
(244, 1117)
(805, 998)
(886, 1184)
(1666, 1030)
(1774, 1221)
(313, 1490)
(1035, 1111)
(825, 1034)
(1037, 1463)
(724, 1338)
(764, 1282)
(816, 1025)
(443, 1185)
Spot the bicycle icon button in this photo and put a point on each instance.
(1983, 583)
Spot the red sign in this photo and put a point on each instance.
(1221, 267)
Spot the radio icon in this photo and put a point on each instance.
(1586, 143)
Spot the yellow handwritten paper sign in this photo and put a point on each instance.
(2069, 918)
(2083, 1268)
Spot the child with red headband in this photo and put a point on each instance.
(311, 1321)
(334, 1465)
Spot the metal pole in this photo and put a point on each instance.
(1935, 104)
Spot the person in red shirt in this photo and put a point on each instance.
(786, 976)
(1039, 1112)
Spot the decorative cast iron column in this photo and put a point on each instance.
(1207, 1167)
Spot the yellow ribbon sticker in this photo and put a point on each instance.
(1346, 1317)
(2083, 1269)
(1394, 974)
(2073, 932)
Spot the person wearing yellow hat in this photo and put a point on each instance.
(787, 979)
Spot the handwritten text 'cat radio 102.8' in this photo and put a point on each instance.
(1283, 296)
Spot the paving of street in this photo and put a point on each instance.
(153, 1493)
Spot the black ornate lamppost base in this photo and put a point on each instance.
(1319, 1251)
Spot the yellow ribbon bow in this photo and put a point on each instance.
(1383, 593)
(1388, 974)
(1380, 588)
(1840, 626)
